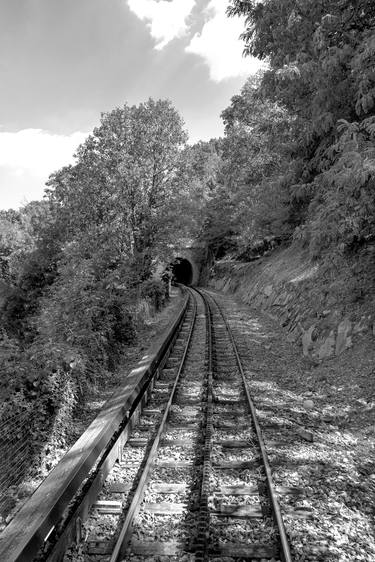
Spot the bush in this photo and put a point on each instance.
(154, 292)
(87, 314)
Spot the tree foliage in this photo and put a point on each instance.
(122, 183)
(320, 56)
(256, 153)
(196, 183)
(85, 253)
(19, 233)
(248, 198)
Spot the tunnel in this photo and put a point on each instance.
(182, 271)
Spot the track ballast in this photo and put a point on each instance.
(192, 481)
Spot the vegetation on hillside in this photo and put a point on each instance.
(76, 268)
(321, 77)
(296, 162)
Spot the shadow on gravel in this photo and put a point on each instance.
(334, 401)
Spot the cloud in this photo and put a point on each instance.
(36, 151)
(166, 18)
(28, 157)
(219, 45)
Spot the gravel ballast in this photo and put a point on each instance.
(318, 422)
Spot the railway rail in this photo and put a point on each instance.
(185, 473)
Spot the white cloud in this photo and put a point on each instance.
(219, 44)
(37, 151)
(27, 158)
(166, 18)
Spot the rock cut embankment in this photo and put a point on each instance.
(318, 311)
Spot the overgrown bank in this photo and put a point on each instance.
(78, 275)
(35, 459)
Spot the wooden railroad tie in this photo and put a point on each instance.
(233, 443)
(246, 511)
(245, 550)
(186, 425)
(174, 464)
(173, 488)
(227, 465)
(108, 507)
(165, 508)
(151, 411)
(137, 442)
(239, 490)
(177, 442)
(156, 548)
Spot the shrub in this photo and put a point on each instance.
(154, 292)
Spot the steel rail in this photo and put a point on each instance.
(135, 505)
(286, 554)
(202, 545)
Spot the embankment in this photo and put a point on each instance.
(324, 309)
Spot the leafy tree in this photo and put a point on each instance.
(112, 211)
(320, 56)
(248, 201)
(119, 189)
(196, 181)
(11, 239)
(19, 233)
(90, 246)
(28, 262)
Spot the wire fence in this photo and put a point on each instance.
(17, 445)
(28, 433)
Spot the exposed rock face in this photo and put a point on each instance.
(307, 341)
(327, 348)
(267, 290)
(344, 339)
(308, 404)
(285, 286)
(362, 325)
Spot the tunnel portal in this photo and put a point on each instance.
(182, 271)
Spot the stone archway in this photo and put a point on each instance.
(192, 256)
(182, 271)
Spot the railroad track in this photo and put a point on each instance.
(192, 480)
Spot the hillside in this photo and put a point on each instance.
(323, 310)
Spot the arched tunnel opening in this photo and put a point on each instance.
(182, 271)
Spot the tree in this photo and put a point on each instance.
(320, 57)
(19, 235)
(119, 189)
(111, 213)
(196, 182)
(245, 203)
(28, 256)
(93, 244)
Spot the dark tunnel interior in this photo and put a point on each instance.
(182, 271)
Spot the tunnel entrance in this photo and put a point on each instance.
(182, 271)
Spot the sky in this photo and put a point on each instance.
(64, 62)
